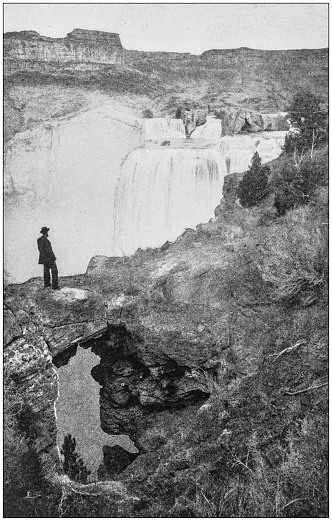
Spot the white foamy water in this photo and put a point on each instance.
(161, 192)
(239, 148)
(211, 130)
(63, 175)
(160, 128)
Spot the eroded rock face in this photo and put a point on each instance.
(235, 120)
(59, 321)
(116, 459)
(28, 366)
(133, 385)
(78, 46)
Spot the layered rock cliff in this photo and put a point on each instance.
(79, 46)
(257, 79)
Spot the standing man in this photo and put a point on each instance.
(47, 257)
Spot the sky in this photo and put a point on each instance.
(192, 28)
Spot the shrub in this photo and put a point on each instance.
(147, 113)
(294, 257)
(298, 182)
(254, 186)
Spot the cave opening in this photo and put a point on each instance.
(247, 126)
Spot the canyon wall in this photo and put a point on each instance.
(62, 174)
(78, 46)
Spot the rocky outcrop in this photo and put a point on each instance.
(79, 46)
(241, 119)
(61, 318)
(116, 459)
(136, 380)
(31, 377)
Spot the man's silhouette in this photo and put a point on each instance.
(47, 257)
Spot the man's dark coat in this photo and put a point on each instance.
(46, 255)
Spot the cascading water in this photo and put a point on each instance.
(160, 192)
(160, 128)
(210, 130)
(239, 148)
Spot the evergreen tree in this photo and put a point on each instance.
(73, 464)
(309, 120)
(254, 186)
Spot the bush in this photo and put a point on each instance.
(294, 257)
(147, 113)
(298, 182)
(254, 186)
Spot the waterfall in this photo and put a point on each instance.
(210, 130)
(62, 174)
(176, 128)
(160, 193)
(161, 128)
(239, 148)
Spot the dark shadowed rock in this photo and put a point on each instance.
(116, 460)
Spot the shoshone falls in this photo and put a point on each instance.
(164, 188)
(108, 183)
(186, 347)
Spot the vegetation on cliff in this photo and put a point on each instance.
(27, 493)
(259, 446)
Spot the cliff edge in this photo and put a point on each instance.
(79, 46)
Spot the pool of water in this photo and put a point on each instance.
(77, 411)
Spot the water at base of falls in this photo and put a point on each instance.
(78, 412)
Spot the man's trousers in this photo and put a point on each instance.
(47, 277)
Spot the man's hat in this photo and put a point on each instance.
(44, 229)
